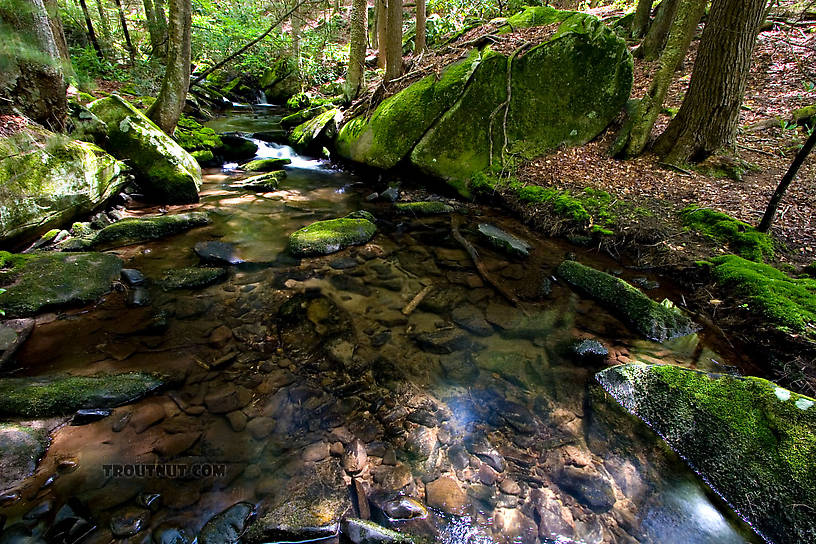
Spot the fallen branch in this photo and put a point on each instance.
(416, 301)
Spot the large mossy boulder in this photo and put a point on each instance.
(563, 91)
(325, 237)
(166, 172)
(47, 179)
(316, 132)
(38, 282)
(143, 229)
(656, 321)
(48, 396)
(21, 449)
(752, 441)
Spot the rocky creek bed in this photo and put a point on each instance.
(385, 382)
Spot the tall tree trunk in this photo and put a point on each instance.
(708, 117)
(643, 16)
(107, 37)
(688, 15)
(55, 21)
(357, 49)
(382, 31)
(393, 53)
(128, 43)
(156, 28)
(295, 22)
(652, 45)
(32, 84)
(167, 108)
(374, 38)
(419, 41)
(91, 32)
(773, 205)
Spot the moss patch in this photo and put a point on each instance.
(741, 237)
(63, 395)
(262, 183)
(266, 165)
(423, 208)
(325, 237)
(752, 441)
(132, 231)
(194, 137)
(306, 114)
(191, 278)
(314, 133)
(655, 321)
(788, 303)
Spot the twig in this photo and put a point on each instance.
(675, 168)
(755, 150)
(411, 306)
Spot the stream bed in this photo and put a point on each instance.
(311, 386)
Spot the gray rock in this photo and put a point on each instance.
(132, 277)
(587, 486)
(228, 526)
(128, 521)
(217, 253)
(366, 532)
(391, 194)
(404, 508)
(170, 534)
(355, 457)
(192, 278)
(471, 318)
(504, 241)
(445, 341)
(13, 334)
(21, 449)
(590, 351)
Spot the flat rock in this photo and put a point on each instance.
(472, 319)
(21, 449)
(504, 241)
(13, 334)
(325, 237)
(446, 495)
(192, 278)
(227, 527)
(361, 531)
(218, 253)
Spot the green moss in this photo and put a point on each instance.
(193, 136)
(423, 208)
(738, 433)
(536, 16)
(325, 237)
(299, 101)
(131, 231)
(786, 302)
(741, 237)
(11, 264)
(203, 156)
(265, 182)
(266, 165)
(303, 115)
(191, 278)
(655, 321)
(311, 134)
(63, 395)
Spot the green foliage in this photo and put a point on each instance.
(193, 136)
(788, 303)
(741, 237)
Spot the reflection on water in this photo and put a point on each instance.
(465, 403)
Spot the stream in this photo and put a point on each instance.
(469, 406)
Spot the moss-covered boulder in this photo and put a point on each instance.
(38, 282)
(200, 141)
(306, 114)
(192, 278)
(266, 165)
(752, 441)
(262, 183)
(132, 231)
(433, 207)
(47, 179)
(395, 127)
(656, 321)
(237, 147)
(317, 132)
(47, 396)
(21, 449)
(165, 171)
(325, 237)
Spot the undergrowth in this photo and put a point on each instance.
(741, 237)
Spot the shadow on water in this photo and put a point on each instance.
(286, 358)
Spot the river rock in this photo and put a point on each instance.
(587, 486)
(228, 526)
(266, 165)
(263, 183)
(129, 521)
(423, 208)
(404, 508)
(21, 448)
(325, 237)
(237, 147)
(217, 253)
(588, 350)
(361, 531)
(164, 170)
(170, 534)
(312, 135)
(655, 321)
(13, 334)
(446, 495)
(192, 278)
(53, 280)
(133, 277)
(55, 180)
(504, 240)
(752, 441)
(472, 319)
(310, 507)
(143, 229)
(355, 457)
(227, 398)
(445, 341)
(46, 396)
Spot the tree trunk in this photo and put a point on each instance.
(374, 38)
(156, 27)
(773, 205)
(295, 22)
(382, 31)
(167, 108)
(393, 54)
(33, 84)
(91, 33)
(107, 37)
(652, 45)
(688, 15)
(125, 32)
(55, 21)
(643, 15)
(357, 49)
(419, 41)
(708, 117)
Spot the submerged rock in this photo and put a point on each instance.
(587, 350)
(446, 495)
(132, 231)
(752, 441)
(237, 147)
(49, 179)
(587, 486)
(658, 322)
(504, 240)
(218, 253)
(325, 237)
(47, 396)
(37, 282)
(228, 526)
(21, 448)
(129, 521)
(423, 208)
(361, 531)
(192, 278)
(165, 171)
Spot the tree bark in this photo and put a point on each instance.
(167, 108)
(393, 54)
(31, 81)
(708, 117)
(357, 49)
(685, 22)
(773, 205)
(156, 28)
(91, 32)
(55, 22)
(382, 31)
(104, 24)
(643, 15)
(374, 38)
(652, 45)
(419, 41)
(122, 21)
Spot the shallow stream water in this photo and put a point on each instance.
(279, 368)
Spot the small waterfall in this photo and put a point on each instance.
(271, 150)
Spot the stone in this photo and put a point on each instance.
(192, 278)
(166, 172)
(326, 237)
(54, 280)
(260, 427)
(227, 399)
(237, 420)
(420, 443)
(391, 194)
(510, 487)
(228, 526)
(316, 452)
(366, 532)
(445, 494)
(217, 253)
(404, 508)
(482, 449)
(587, 486)
(170, 534)
(21, 449)
(146, 416)
(423, 208)
(128, 521)
(588, 350)
(143, 229)
(237, 147)
(504, 241)
(171, 446)
(355, 457)
(84, 417)
(13, 334)
(393, 478)
(266, 165)
(132, 277)
(471, 318)
(312, 135)
(445, 341)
